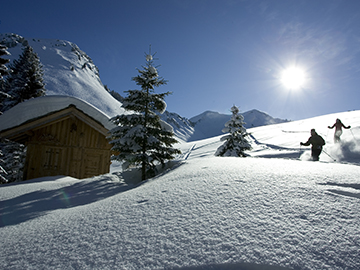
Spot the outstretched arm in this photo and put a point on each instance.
(307, 143)
(332, 126)
(344, 126)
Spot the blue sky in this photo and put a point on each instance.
(214, 54)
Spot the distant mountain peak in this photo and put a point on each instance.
(210, 123)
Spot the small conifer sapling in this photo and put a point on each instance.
(235, 143)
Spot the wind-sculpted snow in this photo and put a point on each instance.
(202, 212)
(211, 211)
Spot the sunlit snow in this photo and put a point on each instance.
(270, 209)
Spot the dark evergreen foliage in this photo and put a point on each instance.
(140, 137)
(12, 159)
(3, 69)
(26, 79)
(3, 72)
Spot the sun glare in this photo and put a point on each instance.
(293, 78)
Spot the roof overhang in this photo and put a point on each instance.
(21, 132)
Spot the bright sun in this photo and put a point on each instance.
(293, 78)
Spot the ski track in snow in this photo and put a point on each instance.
(188, 153)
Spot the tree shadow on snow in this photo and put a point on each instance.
(35, 204)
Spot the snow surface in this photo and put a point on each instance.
(37, 107)
(269, 211)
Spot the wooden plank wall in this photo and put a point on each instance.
(67, 147)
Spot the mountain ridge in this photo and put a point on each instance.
(210, 123)
(69, 71)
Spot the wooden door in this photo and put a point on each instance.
(92, 163)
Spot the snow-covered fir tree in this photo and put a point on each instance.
(3, 173)
(3, 72)
(3, 69)
(141, 138)
(12, 159)
(26, 79)
(235, 142)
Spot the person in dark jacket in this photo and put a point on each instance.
(317, 143)
(338, 129)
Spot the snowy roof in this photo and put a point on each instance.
(37, 107)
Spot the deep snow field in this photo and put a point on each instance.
(272, 210)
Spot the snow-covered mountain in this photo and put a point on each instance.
(182, 126)
(69, 71)
(210, 124)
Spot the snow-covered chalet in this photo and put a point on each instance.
(63, 135)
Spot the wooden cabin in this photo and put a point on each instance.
(66, 141)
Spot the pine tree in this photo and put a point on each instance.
(3, 69)
(12, 161)
(235, 142)
(3, 173)
(141, 138)
(3, 72)
(26, 79)
(24, 82)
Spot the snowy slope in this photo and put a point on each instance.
(67, 71)
(210, 124)
(283, 140)
(183, 128)
(204, 212)
(286, 137)
(255, 118)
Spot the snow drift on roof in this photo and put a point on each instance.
(37, 107)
